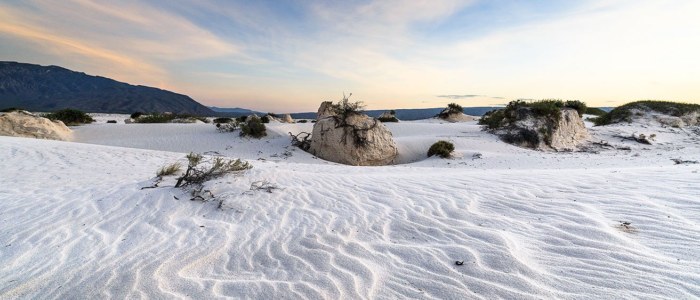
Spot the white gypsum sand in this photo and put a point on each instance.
(526, 224)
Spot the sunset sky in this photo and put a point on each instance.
(288, 56)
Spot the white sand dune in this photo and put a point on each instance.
(526, 224)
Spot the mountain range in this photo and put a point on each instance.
(49, 88)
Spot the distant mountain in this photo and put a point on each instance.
(41, 88)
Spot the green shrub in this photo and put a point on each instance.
(155, 118)
(136, 115)
(451, 109)
(302, 121)
(579, 106)
(493, 119)
(112, 121)
(265, 119)
(70, 117)
(388, 119)
(196, 174)
(241, 119)
(168, 170)
(442, 149)
(595, 111)
(344, 107)
(222, 120)
(624, 113)
(254, 127)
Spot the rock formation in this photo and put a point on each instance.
(25, 124)
(354, 139)
(287, 119)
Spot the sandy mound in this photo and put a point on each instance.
(563, 131)
(25, 124)
(460, 117)
(355, 139)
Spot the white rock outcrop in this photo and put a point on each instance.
(565, 134)
(357, 140)
(325, 110)
(25, 124)
(287, 119)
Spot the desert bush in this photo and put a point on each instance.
(579, 106)
(155, 118)
(168, 170)
(136, 115)
(344, 107)
(254, 127)
(241, 119)
(442, 149)
(451, 109)
(222, 120)
(70, 117)
(493, 119)
(624, 113)
(227, 127)
(112, 121)
(265, 119)
(302, 121)
(199, 172)
(388, 119)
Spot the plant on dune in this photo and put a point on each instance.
(136, 115)
(579, 106)
(254, 127)
(451, 109)
(625, 112)
(344, 107)
(10, 109)
(169, 170)
(595, 111)
(442, 149)
(222, 120)
(70, 117)
(227, 127)
(155, 118)
(199, 172)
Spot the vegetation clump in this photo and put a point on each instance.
(451, 109)
(197, 173)
(254, 127)
(222, 120)
(70, 117)
(388, 117)
(169, 170)
(10, 109)
(626, 112)
(442, 149)
(136, 115)
(168, 118)
(595, 111)
(344, 107)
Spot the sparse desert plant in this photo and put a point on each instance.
(198, 171)
(112, 121)
(442, 149)
(522, 137)
(344, 107)
(155, 118)
(227, 127)
(136, 115)
(451, 109)
(222, 120)
(624, 113)
(169, 170)
(70, 117)
(388, 119)
(579, 106)
(493, 119)
(241, 119)
(254, 127)
(265, 119)
(302, 121)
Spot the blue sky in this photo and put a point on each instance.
(291, 55)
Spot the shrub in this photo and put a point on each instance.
(196, 174)
(265, 119)
(579, 106)
(226, 127)
(302, 121)
(70, 117)
(493, 119)
(241, 119)
(155, 118)
(344, 107)
(253, 128)
(168, 170)
(442, 149)
(624, 113)
(595, 111)
(451, 109)
(112, 121)
(136, 115)
(222, 120)
(388, 119)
